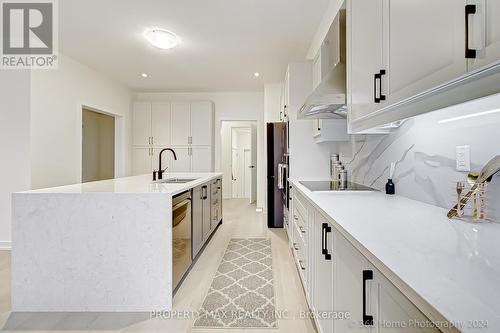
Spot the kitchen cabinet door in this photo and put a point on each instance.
(484, 35)
(201, 123)
(201, 159)
(207, 218)
(160, 124)
(391, 306)
(181, 123)
(425, 46)
(365, 18)
(141, 123)
(197, 220)
(183, 162)
(350, 265)
(141, 161)
(322, 272)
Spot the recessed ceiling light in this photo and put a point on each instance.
(144, 75)
(256, 74)
(162, 39)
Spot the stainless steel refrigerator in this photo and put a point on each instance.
(277, 174)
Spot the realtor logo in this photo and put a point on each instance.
(29, 34)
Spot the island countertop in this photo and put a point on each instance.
(96, 247)
(134, 184)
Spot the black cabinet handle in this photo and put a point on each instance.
(469, 53)
(325, 230)
(323, 249)
(378, 77)
(367, 319)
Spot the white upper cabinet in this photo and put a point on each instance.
(484, 33)
(365, 55)
(160, 133)
(405, 58)
(141, 120)
(201, 123)
(425, 46)
(181, 117)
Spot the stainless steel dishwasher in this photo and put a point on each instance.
(181, 236)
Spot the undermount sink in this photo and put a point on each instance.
(176, 180)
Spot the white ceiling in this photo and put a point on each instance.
(223, 41)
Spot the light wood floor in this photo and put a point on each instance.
(240, 221)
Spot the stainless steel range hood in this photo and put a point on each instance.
(328, 99)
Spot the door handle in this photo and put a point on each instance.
(367, 319)
(469, 53)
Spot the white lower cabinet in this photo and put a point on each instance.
(344, 290)
(322, 273)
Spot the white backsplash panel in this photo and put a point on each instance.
(424, 149)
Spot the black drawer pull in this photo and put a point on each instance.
(469, 53)
(325, 229)
(367, 319)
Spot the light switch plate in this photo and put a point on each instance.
(463, 158)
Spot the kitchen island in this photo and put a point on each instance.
(102, 246)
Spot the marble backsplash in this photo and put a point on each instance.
(424, 149)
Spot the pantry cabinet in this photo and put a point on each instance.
(185, 126)
(141, 123)
(181, 117)
(339, 279)
(160, 124)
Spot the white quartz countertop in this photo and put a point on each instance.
(454, 266)
(136, 184)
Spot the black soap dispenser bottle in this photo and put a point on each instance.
(390, 188)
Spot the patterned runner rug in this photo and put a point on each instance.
(242, 291)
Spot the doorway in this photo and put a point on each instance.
(239, 159)
(98, 146)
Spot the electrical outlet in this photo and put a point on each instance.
(463, 158)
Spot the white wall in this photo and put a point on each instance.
(14, 143)
(228, 106)
(57, 97)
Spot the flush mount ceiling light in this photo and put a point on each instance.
(256, 74)
(144, 75)
(162, 39)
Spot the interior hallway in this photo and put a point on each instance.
(240, 220)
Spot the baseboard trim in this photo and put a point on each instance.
(4, 245)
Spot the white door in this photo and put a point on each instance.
(348, 287)
(183, 162)
(247, 170)
(253, 163)
(235, 170)
(365, 54)
(323, 279)
(426, 46)
(166, 160)
(141, 161)
(201, 159)
(160, 124)
(485, 33)
(201, 123)
(181, 123)
(141, 123)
